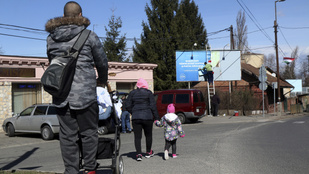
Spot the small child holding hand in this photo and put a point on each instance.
(172, 130)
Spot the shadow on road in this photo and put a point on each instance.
(20, 159)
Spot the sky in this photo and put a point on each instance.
(217, 15)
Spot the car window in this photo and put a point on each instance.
(195, 97)
(52, 111)
(167, 98)
(40, 110)
(27, 111)
(182, 98)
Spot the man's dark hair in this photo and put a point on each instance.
(72, 9)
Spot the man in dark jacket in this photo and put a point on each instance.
(215, 101)
(78, 113)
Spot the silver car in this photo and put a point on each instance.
(38, 118)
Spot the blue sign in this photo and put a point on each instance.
(225, 64)
(188, 64)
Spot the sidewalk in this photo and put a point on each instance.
(251, 118)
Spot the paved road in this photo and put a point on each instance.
(206, 148)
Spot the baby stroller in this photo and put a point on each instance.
(108, 148)
(108, 125)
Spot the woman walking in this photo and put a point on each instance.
(141, 104)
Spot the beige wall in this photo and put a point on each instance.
(118, 72)
(5, 101)
(255, 60)
(130, 73)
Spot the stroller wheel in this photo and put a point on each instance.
(102, 130)
(119, 167)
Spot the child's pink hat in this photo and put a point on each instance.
(171, 108)
(142, 83)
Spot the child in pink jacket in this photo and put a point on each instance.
(172, 130)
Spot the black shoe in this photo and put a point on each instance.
(149, 154)
(139, 157)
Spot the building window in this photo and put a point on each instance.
(25, 95)
(125, 87)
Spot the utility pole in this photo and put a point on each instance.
(277, 62)
(231, 38)
(277, 59)
(231, 82)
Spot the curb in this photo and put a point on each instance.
(251, 118)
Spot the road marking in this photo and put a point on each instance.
(298, 122)
(263, 120)
(280, 121)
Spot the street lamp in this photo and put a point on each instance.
(194, 45)
(223, 58)
(277, 59)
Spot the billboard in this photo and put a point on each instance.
(225, 63)
(297, 83)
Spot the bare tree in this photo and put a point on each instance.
(304, 71)
(270, 62)
(241, 32)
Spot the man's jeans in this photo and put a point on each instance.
(75, 126)
(125, 121)
(106, 114)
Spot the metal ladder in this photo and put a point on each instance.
(211, 92)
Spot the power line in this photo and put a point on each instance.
(16, 29)
(216, 32)
(39, 31)
(294, 28)
(285, 39)
(22, 37)
(22, 27)
(257, 24)
(254, 20)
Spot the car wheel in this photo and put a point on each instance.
(181, 117)
(47, 133)
(102, 130)
(11, 130)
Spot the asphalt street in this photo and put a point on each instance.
(203, 150)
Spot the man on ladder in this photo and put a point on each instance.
(207, 72)
(208, 76)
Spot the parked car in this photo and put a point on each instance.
(38, 118)
(189, 103)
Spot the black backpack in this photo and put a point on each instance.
(58, 77)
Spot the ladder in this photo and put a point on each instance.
(211, 92)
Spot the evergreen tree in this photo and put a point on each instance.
(171, 26)
(113, 46)
(190, 27)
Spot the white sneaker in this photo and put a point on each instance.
(166, 155)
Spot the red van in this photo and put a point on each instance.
(189, 103)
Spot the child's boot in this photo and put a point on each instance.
(166, 155)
